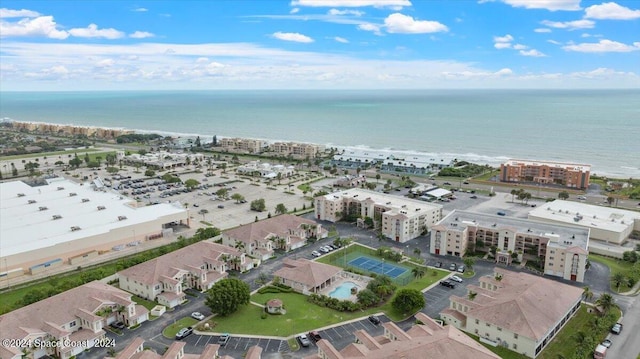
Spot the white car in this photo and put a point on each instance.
(197, 315)
(316, 254)
(455, 278)
(323, 250)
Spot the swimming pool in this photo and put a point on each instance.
(343, 291)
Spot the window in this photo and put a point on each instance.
(72, 324)
(488, 325)
(515, 335)
(477, 321)
(515, 346)
(499, 329)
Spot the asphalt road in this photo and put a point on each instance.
(627, 344)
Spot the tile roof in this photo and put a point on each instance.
(523, 303)
(254, 352)
(149, 272)
(278, 226)
(48, 315)
(307, 272)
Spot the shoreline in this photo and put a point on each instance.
(624, 171)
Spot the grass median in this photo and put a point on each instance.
(171, 330)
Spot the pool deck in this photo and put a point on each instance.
(359, 280)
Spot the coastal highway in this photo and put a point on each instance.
(627, 344)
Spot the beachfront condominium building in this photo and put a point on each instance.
(241, 145)
(518, 311)
(296, 150)
(63, 222)
(567, 174)
(426, 339)
(561, 250)
(198, 266)
(75, 316)
(286, 232)
(400, 219)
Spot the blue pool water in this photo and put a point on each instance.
(343, 291)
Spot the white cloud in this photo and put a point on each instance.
(105, 63)
(341, 39)
(35, 27)
(532, 53)
(93, 31)
(505, 38)
(336, 12)
(504, 72)
(141, 35)
(295, 10)
(570, 25)
(403, 24)
(8, 13)
(502, 45)
(202, 60)
(603, 46)
(292, 36)
(140, 9)
(554, 42)
(395, 4)
(551, 5)
(370, 27)
(542, 30)
(611, 11)
(520, 47)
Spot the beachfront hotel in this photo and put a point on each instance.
(518, 311)
(400, 219)
(562, 250)
(241, 145)
(570, 175)
(63, 222)
(296, 150)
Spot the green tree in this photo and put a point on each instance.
(93, 164)
(377, 177)
(191, 183)
(408, 300)
(258, 205)
(87, 159)
(587, 294)
(279, 177)
(31, 167)
(237, 197)
(513, 192)
(469, 262)
(618, 279)
(610, 200)
(149, 173)
(281, 209)
(418, 272)
(368, 221)
(222, 192)
(563, 195)
(227, 295)
(605, 301)
(630, 256)
(367, 298)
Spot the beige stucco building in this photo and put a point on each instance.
(65, 222)
(73, 319)
(296, 150)
(568, 174)
(519, 311)
(561, 249)
(306, 276)
(241, 145)
(197, 266)
(399, 218)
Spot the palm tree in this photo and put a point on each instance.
(617, 279)
(587, 294)
(417, 272)
(605, 301)
(239, 245)
(513, 195)
(469, 262)
(472, 295)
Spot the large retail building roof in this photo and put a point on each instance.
(575, 213)
(27, 214)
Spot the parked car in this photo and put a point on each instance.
(461, 269)
(323, 250)
(501, 213)
(446, 184)
(304, 341)
(224, 339)
(184, 332)
(314, 335)
(617, 328)
(448, 284)
(316, 254)
(465, 182)
(332, 246)
(197, 315)
(606, 343)
(474, 197)
(455, 278)
(438, 265)
(328, 248)
(373, 319)
(220, 206)
(118, 325)
(582, 198)
(452, 267)
(196, 205)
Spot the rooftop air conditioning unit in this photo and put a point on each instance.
(56, 216)
(100, 208)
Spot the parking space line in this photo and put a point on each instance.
(338, 334)
(198, 341)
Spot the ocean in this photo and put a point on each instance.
(596, 127)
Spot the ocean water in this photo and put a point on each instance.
(596, 127)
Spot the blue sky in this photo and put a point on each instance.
(323, 44)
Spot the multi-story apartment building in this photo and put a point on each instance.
(296, 150)
(197, 266)
(561, 250)
(427, 339)
(68, 323)
(286, 232)
(241, 145)
(399, 218)
(519, 311)
(568, 174)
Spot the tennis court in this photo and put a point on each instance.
(377, 266)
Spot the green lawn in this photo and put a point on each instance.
(615, 266)
(171, 330)
(143, 302)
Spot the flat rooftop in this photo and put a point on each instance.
(29, 226)
(575, 235)
(396, 158)
(606, 218)
(394, 202)
(566, 165)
